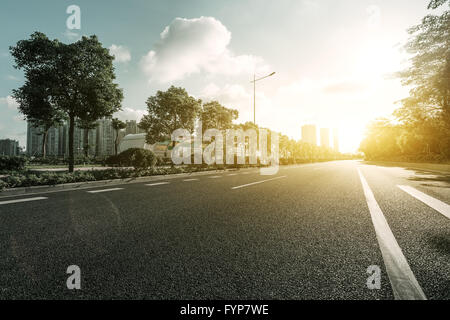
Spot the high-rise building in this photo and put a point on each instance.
(133, 128)
(9, 147)
(335, 140)
(105, 138)
(309, 134)
(34, 140)
(325, 137)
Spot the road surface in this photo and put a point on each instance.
(308, 232)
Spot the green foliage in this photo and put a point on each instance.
(216, 116)
(134, 157)
(8, 163)
(167, 111)
(436, 3)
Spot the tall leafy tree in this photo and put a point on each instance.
(429, 72)
(216, 116)
(117, 126)
(79, 77)
(167, 111)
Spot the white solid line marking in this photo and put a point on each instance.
(257, 182)
(22, 200)
(403, 282)
(105, 190)
(157, 184)
(187, 180)
(436, 204)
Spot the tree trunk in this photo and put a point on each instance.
(71, 132)
(86, 142)
(115, 142)
(44, 143)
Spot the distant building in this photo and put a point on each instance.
(309, 134)
(325, 137)
(100, 140)
(34, 140)
(106, 136)
(9, 147)
(132, 127)
(335, 140)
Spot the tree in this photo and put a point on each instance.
(117, 126)
(436, 3)
(429, 73)
(216, 116)
(167, 111)
(36, 105)
(78, 77)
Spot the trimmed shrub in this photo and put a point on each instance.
(8, 163)
(134, 157)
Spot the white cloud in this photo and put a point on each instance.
(10, 102)
(190, 46)
(130, 114)
(231, 96)
(120, 53)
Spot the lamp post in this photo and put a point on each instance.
(254, 93)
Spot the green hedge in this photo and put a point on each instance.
(8, 163)
(134, 157)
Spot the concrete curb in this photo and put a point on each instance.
(434, 167)
(93, 184)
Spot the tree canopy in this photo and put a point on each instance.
(167, 111)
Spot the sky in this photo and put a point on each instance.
(334, 60)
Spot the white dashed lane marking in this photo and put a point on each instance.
(436, 204)
(187, 180)
(257, 182)
(105, 190)
(22, 200)
(157, 184)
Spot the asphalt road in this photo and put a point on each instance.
(308, 232)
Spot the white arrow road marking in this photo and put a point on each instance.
(105, 190)
(257, 182)
(22, 200)
(157, 184)
(436, 204)
(403, 281)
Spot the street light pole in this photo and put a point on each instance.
(254, 93)
(254, 99)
